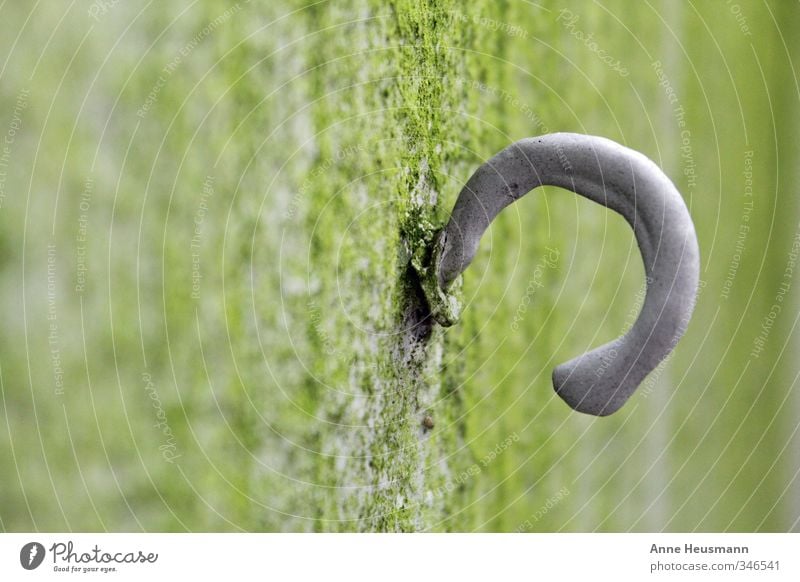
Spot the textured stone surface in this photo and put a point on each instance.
(302, 260)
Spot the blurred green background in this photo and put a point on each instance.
(207, 212)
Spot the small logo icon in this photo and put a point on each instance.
(31, 555)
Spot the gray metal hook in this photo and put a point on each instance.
(626, 182)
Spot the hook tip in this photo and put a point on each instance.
(585, 393)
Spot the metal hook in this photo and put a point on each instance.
(621, 179)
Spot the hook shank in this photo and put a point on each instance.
(632, 185)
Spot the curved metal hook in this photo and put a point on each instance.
(600, 381)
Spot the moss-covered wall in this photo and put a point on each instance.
(211, 321)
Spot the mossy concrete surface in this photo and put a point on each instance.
(213, 224)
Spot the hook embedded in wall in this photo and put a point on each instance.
(621, 179)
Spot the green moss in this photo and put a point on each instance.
(383, 461)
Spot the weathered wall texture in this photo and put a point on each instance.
(208, 222)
